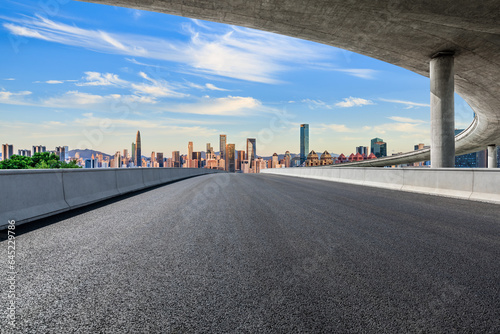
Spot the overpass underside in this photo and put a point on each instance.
(403, 33)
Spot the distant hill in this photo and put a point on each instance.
(87, 154)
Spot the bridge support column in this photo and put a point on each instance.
(492, 156)
(442, 110)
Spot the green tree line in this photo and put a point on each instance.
(44, 160)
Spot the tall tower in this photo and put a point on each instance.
(304, 142)
(251, 151)
(230, 158)
(222, 146)
(190, 150)
(133, 153)
(138, 155)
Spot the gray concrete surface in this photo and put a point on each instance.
(261, 254)
(478, 184)
(27, 195)
(492, 156)
(403, 33)
(442, 74)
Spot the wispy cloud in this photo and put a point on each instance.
(102, 79)
(235, 52)
(337, 128)
(224, 106)
(406, 120)
(363, 73)
(7, 97)
(10, 79)
(315, 104)
(213, 87)
(409, 104)
(55, 82)
(353, 102)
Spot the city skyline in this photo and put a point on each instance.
(61, 86)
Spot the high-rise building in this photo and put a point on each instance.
(230, 158)
(138, 153)
(66, 153)
(24, 153)
(159, 159)
(222, 146)
(118, 160)
(362, 150)
(7, 151)
(304, 142)
(287, 159)
(210, 152)
(61, 152)
(378, 147)
(196, 156)
(176, 159)
(190, 150)
(275, 161)
(38, 149)
(153, 160)
(132, 158)
(251, 151)
(240, 157)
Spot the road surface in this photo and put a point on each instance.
(242, 253)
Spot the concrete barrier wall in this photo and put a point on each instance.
(26, 195)
(480, 184)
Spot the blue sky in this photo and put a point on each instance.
(89, 76)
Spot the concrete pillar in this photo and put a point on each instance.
(442, 110)
(492, 156)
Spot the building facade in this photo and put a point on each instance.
(304, 142)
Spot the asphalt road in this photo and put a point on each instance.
(242, 253)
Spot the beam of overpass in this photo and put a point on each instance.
(402, 33)
(242, 253)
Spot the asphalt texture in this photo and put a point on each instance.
(240, 253)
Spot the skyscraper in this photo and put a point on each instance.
(304, 142)
(138, 154)
(230, 158)
(133, 153)
(190, 150)
(287, 159)
(159, 159)
(39, 149)
(251, 151)
(210, 152)
(176, 158)
(222, 146)
(362, 150)
(378, 147)
(240, 156)
(7, 151)
(61, 152)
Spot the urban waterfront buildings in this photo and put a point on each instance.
(251, 150)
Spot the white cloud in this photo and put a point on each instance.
(405, 119)
(363, 73)
(315, 104)
(353, 102)
(213, 87)
(10, 79)
(409, 104)
(7, 97)
(74, 99)
(52, 82)
(227, 106)
(156, 88)
(337, 127)
(236, 52)
(102, 79)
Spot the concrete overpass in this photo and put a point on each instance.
(406, 34)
